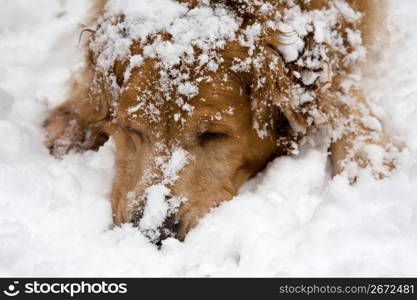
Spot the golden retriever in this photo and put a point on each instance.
(190, 133)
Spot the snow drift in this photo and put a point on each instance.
(291, 220)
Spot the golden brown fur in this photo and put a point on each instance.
(226, 152)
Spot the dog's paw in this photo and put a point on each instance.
(63, 131)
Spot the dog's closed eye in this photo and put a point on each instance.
(207, 137)
(135, 138)
(135, 132)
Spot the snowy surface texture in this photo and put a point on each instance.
(292, 220)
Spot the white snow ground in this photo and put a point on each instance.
(293, 220)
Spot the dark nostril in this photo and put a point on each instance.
(170, 227)
(158, 243)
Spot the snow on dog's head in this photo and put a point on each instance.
(184, 111)
(204, 97)
(180, 155)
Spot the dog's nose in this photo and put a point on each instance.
(170, 227)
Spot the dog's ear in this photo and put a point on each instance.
(272, 93)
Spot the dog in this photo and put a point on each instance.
(196, 112)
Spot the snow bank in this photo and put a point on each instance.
(292, 220)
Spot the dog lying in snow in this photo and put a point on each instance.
(201, 99)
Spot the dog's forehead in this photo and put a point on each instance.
(154, 99)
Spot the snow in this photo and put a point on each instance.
(157, 208)
(291, 220)
(204, 27)
(6, 103)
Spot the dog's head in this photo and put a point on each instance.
(202, 99)
(189, 134)
(187, 156)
